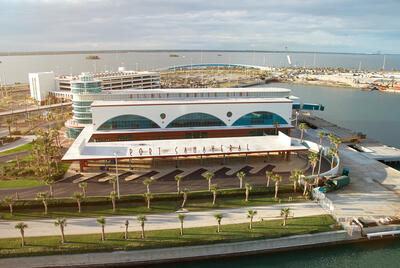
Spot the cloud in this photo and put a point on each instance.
(191, 24)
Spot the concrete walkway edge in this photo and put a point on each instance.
(137, 257)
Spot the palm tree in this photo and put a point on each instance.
(113, 195)
(337, 141)
(148, 196)
(313, 159)
(78, 197)
(303, 127)
(181, 217)
(321, 136)
(113, 180)
(269, 175)
(331, 138)
(102, 222)
(62, 222)
(9, 201)
(306, 180)
(208, 176)
(21, 227)
(277, 179)
(276, 125)
(214, 188)
(185, 195)
(83, 185)
(240, 175)
(43, 196)
(285, 213)
(178, 183)
(218, 217)
(332, 152)
(250, 215)
(293, 178)
(248, 189)
(126, 230)
(9, 122)
(147, 182)
(141, 219)
(50, 181)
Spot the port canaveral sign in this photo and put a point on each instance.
(152, 151)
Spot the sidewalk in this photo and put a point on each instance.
(157, 221)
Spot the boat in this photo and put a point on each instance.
(173, 55)
(92, 57)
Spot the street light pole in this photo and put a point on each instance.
(116, 173)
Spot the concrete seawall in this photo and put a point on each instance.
(138, 257)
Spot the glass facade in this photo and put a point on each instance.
(129, 121)
(259, 118)
(196, 120)
(73, 132)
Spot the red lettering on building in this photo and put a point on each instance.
(247, 146)
(185, 150)
(176, 150)
(204, 149)
(212, 148)
(194, 149)
(159, 151)
(239, 149)
(222, 148)
(150, 151)
(230, 148)
(140, 151)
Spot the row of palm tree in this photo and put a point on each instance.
(62, 223)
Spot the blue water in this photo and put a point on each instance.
(372, 254)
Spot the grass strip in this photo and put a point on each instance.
(25, 147)
(20, 183)
(135, 208)
(50, 245)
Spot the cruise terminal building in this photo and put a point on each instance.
(186, 123)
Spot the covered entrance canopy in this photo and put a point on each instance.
(83, 150)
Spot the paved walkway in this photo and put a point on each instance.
(22, 141)
(157, 221)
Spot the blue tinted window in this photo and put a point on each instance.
(129, 121)
(196, 120)
(259, 118)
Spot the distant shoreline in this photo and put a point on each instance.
(67, 52)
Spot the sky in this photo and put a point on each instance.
(304, 25)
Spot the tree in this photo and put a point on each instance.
(240, 175)
(250, 215)
(218, 217)
(285, 213)
(61, 222)
(293, 178)
(181, 217)
(141, 219)
(113, 195)
(269, 175)
(331, 138)
(303, 127)
(321, 136)
(50, 181)
(148, 196)
(276, 125)
(113, 180)
(102, 222)
(214, 188)
(9, 121)
(185, 195)
(313, 159)
(178, 183)
(9, 201)
(299, 175)
(306, 180)
(248, 189)
(208, 176)
(78, 197)
(84, 186)
(21, 226)
(43, 196)
(332, 152)
(277, 179)
(147, 182)
(337, 141)
(126, 230)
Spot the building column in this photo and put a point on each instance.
(201, 160)
(288, 156)
(81, 165)
(247, 159)
(177, 162)
(130, 163)
(154, 163)
(105, 165)
(224, 160)
(267, 157)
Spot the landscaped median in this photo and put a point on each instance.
(136, 204)
(50, 245)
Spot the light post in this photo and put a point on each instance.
(116, 173)
(297, 114)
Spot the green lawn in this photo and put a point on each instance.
(164, 238)
(25, 147)
(24, 182)
(134, 208)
